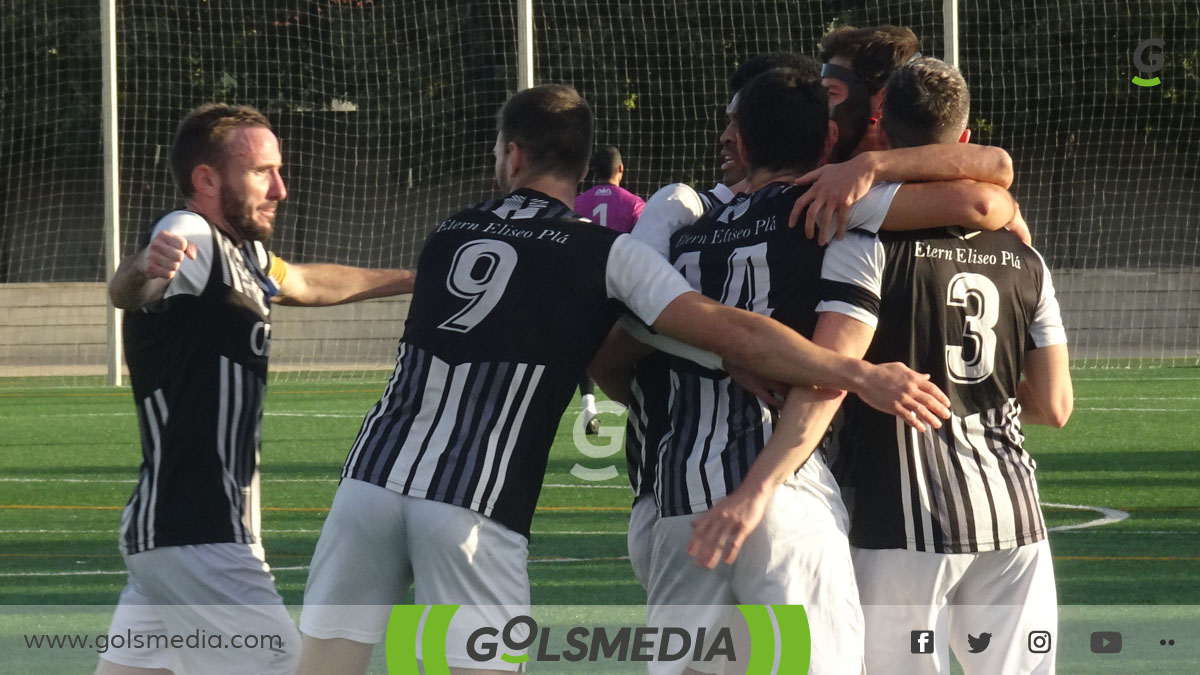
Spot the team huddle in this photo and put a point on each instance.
(826, 360)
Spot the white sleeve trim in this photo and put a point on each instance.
(673, 207)
(868, 213)
(641, 279)
(670, 345)
(858, 259)
(1047, 328)
(193, 275)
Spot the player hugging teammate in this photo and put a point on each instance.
(756, 331)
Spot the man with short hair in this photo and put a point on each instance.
(946, 528)
(857, 64)
(720, 432)
(197, 337)
(616, 208)
(514, 298)
(671, 208)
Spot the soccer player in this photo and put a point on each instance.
(857, 64)
(618, 209)
(736, 253)
(607, 202)
(514, 297)
(671, 208)
(947, 531)
(197, 336)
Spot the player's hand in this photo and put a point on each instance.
(895, 389)
(835, 189)
(1019, 227)
(718, 535)
(768, 391)
(161, 259)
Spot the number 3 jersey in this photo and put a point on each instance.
(512, 300)
(963, 307)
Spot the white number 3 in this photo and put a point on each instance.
(479, 273)
(977, 328)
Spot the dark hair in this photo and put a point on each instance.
(874, 53)
(925, 102)
(202, 138)
(605, 162)
(760, 63)
(782, 116)
(552, 124)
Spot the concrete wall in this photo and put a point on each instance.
(59, 329)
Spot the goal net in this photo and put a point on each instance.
(386, 113)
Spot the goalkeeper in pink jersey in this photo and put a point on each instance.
(616, 208)
(608, 203)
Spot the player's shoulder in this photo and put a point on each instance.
(182, 222)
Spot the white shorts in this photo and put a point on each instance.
(640, 538)
(376, 543)
(202, 609)
(798, 555)
(1009, 594)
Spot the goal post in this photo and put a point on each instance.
(386, 114)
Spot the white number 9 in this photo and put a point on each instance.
(480, 273)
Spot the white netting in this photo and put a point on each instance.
(386, 113)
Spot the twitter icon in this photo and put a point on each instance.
(980, 643)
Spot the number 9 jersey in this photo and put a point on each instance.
(964, 307)
(512, 300)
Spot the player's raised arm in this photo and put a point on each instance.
(142, 278)
(319, 285)
(767, 348)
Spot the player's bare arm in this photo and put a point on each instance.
(975, 205)
(612, 367)
(142, 278)
(836, 187)
(768, 348)
(319, 285)
(1046, 393)
(718, 535)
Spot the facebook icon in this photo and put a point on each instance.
(922, 642)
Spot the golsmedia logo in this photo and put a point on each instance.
(1148, 64)
(596, 643)
(778, 641)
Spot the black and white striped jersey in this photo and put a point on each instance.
(963, 307)
(198, 365)
(742, 254)
(513, 299)
(671, 208)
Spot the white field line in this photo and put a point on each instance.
(332, 480)
(540, 533)
(1109, 516)
(290, 568)
(1164, 410)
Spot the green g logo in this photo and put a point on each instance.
(1151, 66)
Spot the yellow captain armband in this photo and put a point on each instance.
(277, 269)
